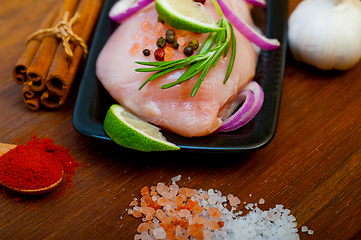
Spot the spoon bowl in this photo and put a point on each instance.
(36, 191)
(4, 148)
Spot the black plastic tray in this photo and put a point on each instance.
(93, 100)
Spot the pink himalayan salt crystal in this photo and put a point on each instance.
(179, 234)
(133, 203)
(214, 212)
(188, 192)
(135, 213)
(163, 201)
(135, 49)
(182, 43)
(159, 233)
(199, 219)
(144, 227)
(169, 54)
(211, 225)
(233, 201)
(145, 26)
(160, 214)
(184, 213)
(161, 188)
(166, 192)
(179, 199)
(147, 210)
(207, 235)
(159, 29)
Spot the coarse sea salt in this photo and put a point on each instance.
(256, 224)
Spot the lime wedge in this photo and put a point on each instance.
(129, 131)
(186, 15)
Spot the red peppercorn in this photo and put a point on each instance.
(200, 1)
(159, 54)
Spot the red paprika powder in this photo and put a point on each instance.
(36, 165)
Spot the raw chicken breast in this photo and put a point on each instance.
(173, 109)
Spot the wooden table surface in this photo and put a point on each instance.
(312, 166)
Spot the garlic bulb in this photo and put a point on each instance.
(326, 33)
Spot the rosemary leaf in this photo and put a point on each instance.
(150, 63)
(208, 43)
(159, 74)
(215, 57)
(233, 55)
(191, 71)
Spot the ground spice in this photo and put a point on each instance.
(37, 164)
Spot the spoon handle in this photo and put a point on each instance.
(5, 147)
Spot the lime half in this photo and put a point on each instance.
(129, 131)
(186, 15)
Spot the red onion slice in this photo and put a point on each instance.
(250, 33)
(257, 3)
(123, 9)
(253, 95)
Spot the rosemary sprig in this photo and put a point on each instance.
(216, 45)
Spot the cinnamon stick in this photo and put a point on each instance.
(19, 71)
(63, 70)
(39, 67)
(59, 68)
(31, 98)
(50, 100)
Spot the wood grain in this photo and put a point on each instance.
(312, 166)
(5, 147)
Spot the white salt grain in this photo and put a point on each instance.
(304, 229)
(310, 232)
(210, 192)
(176, 178)
(213, 199)
(159, 233)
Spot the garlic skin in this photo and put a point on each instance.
(326, 33)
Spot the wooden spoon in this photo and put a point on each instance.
(4, 148)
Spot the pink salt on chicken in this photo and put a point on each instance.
(173, 109)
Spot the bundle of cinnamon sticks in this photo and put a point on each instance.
(46, 68)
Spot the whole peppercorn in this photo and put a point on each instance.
(146, 52)
(194, 44)
(161, 42)
(170, 39)
(188, 51)
(160, 19)
(170, 32)
(175, 45)
(159, 54)
(200, 1)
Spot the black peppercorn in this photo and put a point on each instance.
(160, 20)
(175, 45)
(146, 52)
(170, 39)
(170, 32)
(161, 42)
(194, 44)
(188, 51)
